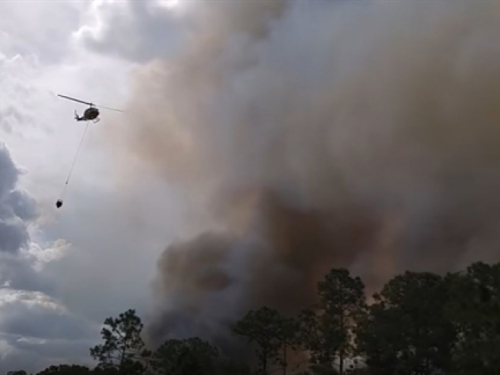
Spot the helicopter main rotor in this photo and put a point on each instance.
(88, 103)
(76, 100)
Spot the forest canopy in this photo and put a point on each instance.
(419, 323)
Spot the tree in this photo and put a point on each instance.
(230, 367)
(123, 348)
(407, 330)
(262, 327)
(65, 370)
(288, 338)
(378, 339)
(192, 356)
(419, 324)
(474, 309)
(327, 329)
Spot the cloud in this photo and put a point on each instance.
(17, 208)
(38, 29)
(135, 30)
(8, 171)
(33, 355)
(35, 329)
(38, 316)
(18, 273)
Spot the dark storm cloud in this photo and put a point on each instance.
(18, 273)
(40, 329)
(8, 170)
(22, 204)
(34, 355)
(13, 235)
(34, 315)
(17, 208)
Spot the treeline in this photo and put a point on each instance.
(418, 324)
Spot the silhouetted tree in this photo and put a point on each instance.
(419, 324)
(192, 356)
(66, 370)
(123, 348)
(262, 327)
(407, 330)
(288, 338)
(327, 329)
(474, 308)
(378, 339)
(227, 366)
(105, 371)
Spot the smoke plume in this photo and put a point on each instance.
(317, 134)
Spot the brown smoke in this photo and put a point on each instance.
(276, 261)
(319, 134)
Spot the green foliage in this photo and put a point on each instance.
(123, 348)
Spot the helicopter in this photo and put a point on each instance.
(91, 113)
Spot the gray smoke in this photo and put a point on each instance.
(319, 134)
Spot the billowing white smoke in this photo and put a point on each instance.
(316, 134)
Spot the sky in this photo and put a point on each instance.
(62, 272)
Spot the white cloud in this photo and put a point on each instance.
(136, 30)
(39, 28)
